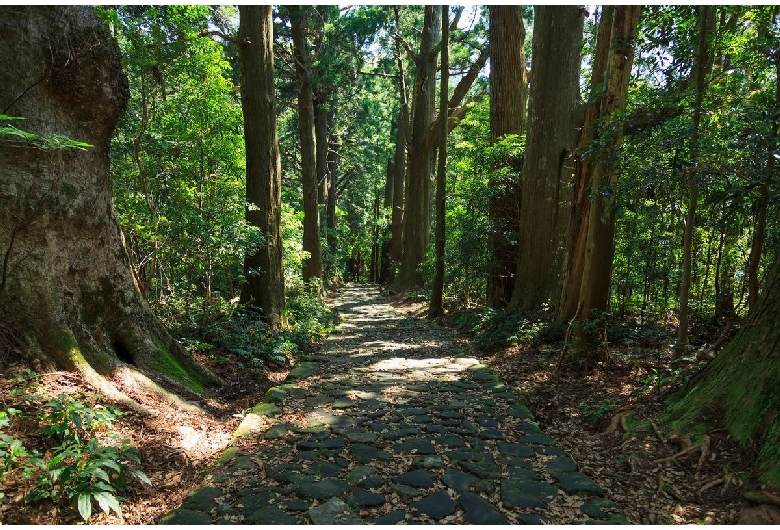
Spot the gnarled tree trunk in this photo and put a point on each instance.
(67, 291)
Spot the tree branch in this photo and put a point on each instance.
(457, 111)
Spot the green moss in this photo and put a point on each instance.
(769, 458)
(228, 455)
(167, 365)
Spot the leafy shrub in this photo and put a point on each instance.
(75, 466)
(493, 329)
(308, 318)
(595, 413)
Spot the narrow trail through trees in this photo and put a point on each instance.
(392, 422)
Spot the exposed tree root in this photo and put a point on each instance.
(657, 432)
(108, 390)
(137, 380)
(705, 451)
(618, 419)
(669, 459)
(763, 497)
(711, 484)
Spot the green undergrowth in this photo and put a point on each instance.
(61, 448)
(224, 330)
(493, 329)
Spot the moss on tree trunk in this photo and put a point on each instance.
(738, 390)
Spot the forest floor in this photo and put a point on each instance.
(604, 420)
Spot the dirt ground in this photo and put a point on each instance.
(605, 420)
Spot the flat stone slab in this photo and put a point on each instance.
(365, 498)
(333, 512)
(269, 515)
(323, 489)
(202, 499)
(266, 409)
(459, 480)
(436, 505)
(303, 370)
(578, 483)
(480, 511)
(358, 473)
(416, 479)
(514, 494)
(185, 517)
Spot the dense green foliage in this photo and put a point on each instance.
(178, 163)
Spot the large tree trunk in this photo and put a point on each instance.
(417, 204)
(508, 91)
(263, 267)
(600, 248)
(554, 117)
(436, 308)
(321, 130)
(312, 266)
(583, 176)
(738, 389)
(67, 292)
(399, 164)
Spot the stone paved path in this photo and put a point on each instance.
(391, 423)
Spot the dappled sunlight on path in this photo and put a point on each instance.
(392, 422)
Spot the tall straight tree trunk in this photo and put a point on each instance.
(700, 66)
(436, 308)
(399, 164)
(554, 117)
(581, 203)
(508, 95)
(599, 247)
(262, 268)
(330, 208)
(321, 134)
(417, 198)
(312, 266)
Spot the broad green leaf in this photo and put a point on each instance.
(85, 505)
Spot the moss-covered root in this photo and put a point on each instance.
(68, 355)
(135, 379)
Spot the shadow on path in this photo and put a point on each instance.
(393, 423)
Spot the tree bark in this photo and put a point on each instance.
(67, 291)
(399, 176)
(417, 196)
(263, 268)
(553, 119)
(436, 308)
(321, 133)
(581, 203)
(738, 389)
(312, 266)
(508, 93)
